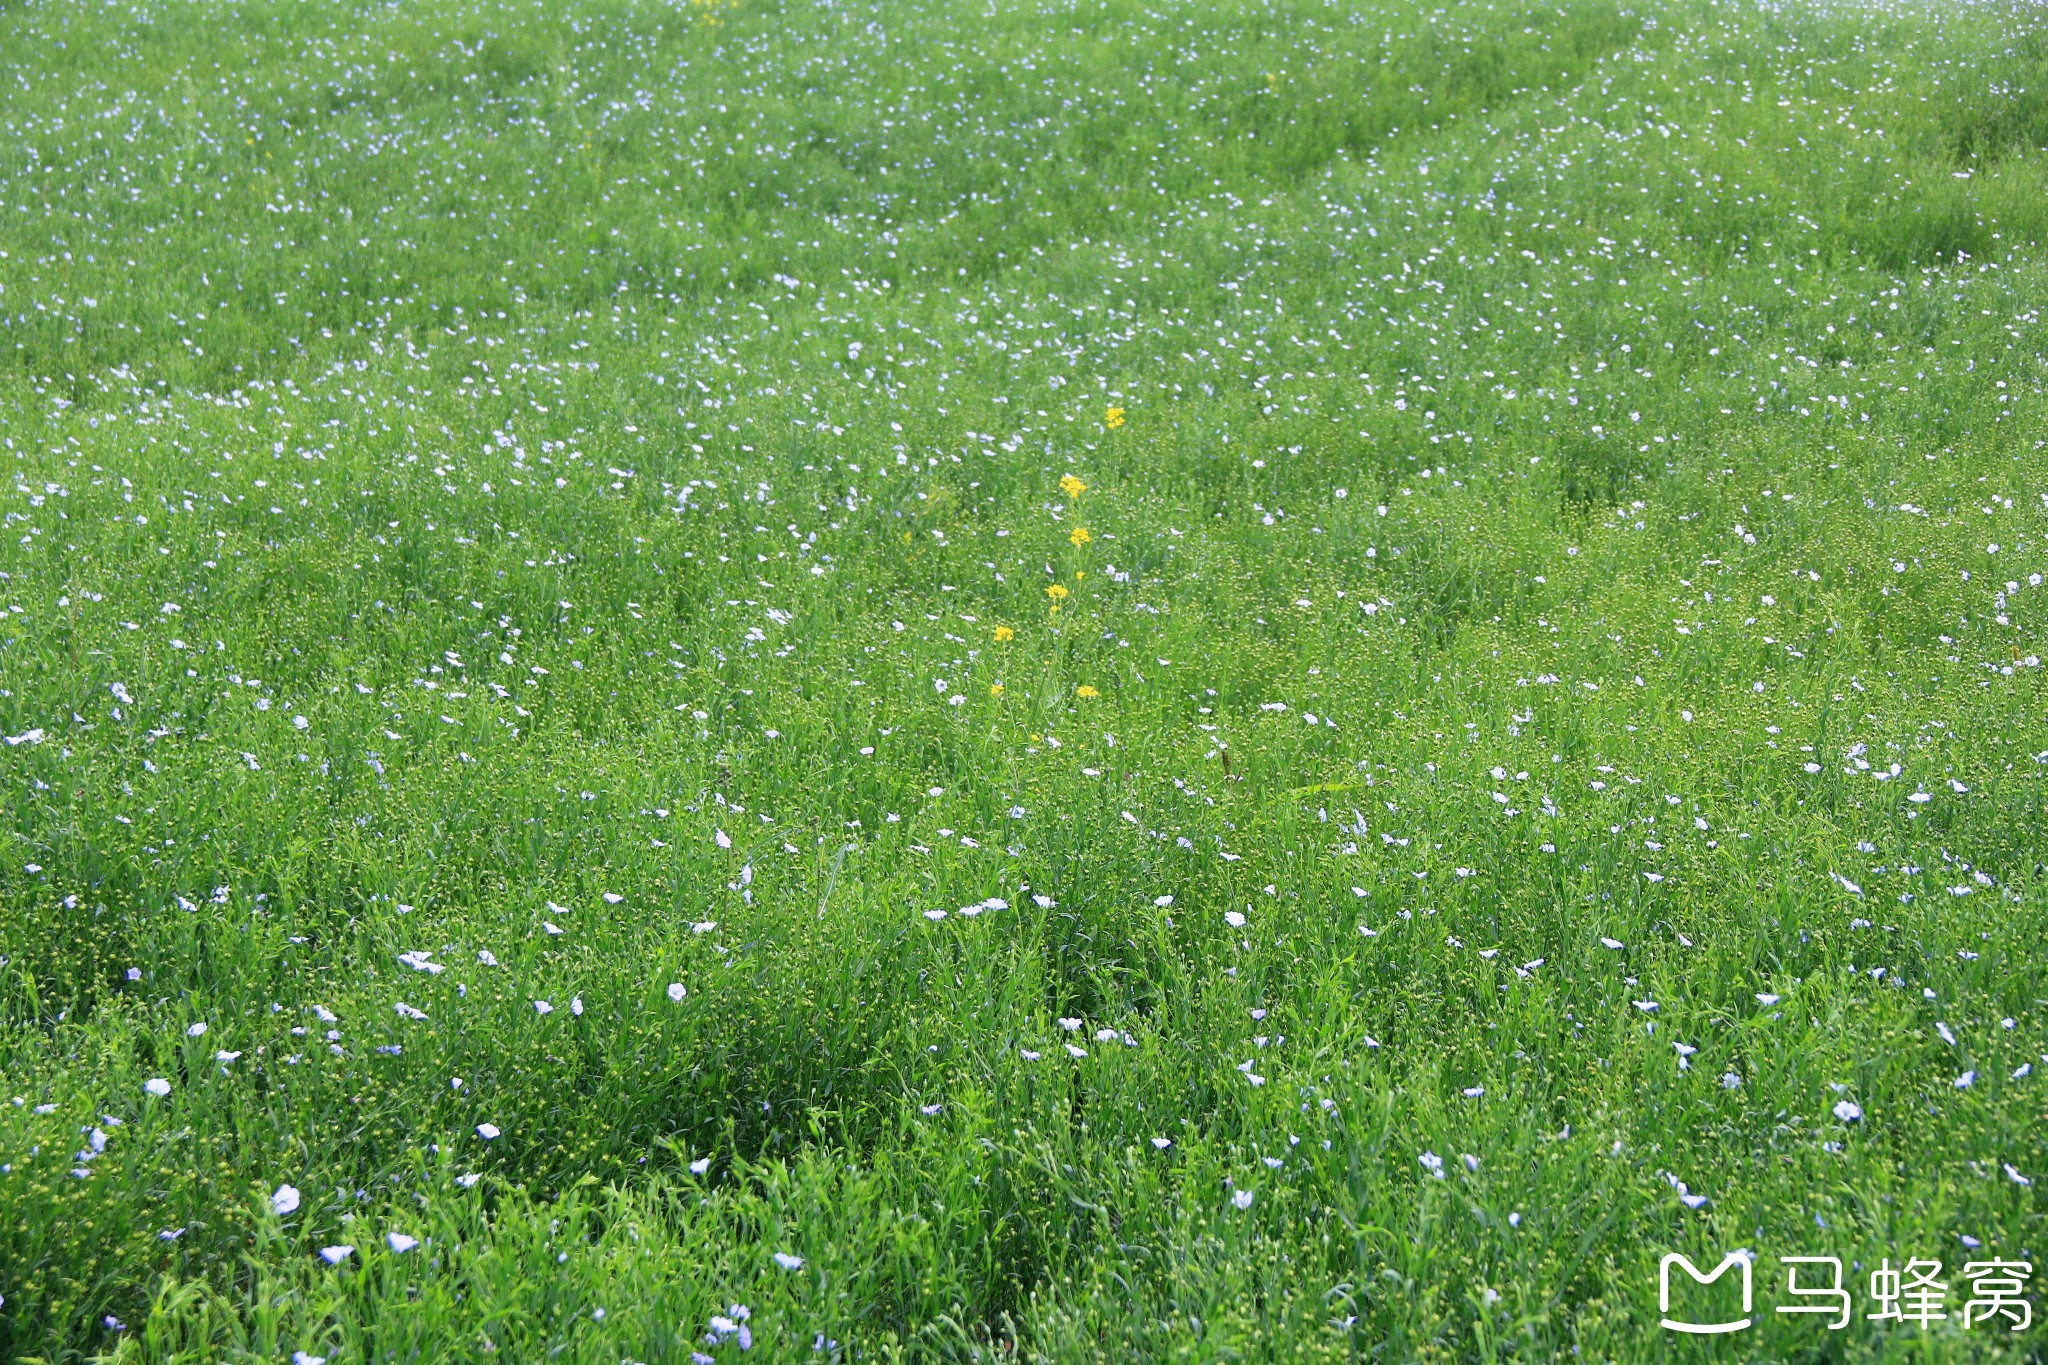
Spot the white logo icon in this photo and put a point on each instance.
(1734, 1258)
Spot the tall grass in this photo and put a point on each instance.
(543, 611)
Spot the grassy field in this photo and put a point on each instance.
(858, 680)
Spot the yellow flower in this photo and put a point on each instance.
(1079, 536)
(995, 689)
(1113, 419)
(1004, 635)
(1055, 591)
(1084, 690)
(1071, 486)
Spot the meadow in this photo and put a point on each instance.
(1060, 680)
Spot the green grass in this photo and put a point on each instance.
(582, 485)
